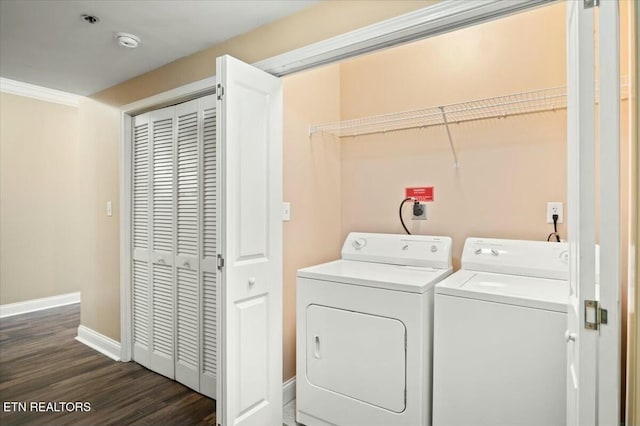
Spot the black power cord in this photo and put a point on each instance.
(400, 213)
(555, 229)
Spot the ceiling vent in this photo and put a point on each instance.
(91, 19)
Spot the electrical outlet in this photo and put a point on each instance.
(421, 209)
(554, 208)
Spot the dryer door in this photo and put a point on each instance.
(358, 355)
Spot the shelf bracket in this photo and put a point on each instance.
(446, 126)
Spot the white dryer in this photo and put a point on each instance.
(364, 331)
(500, 354)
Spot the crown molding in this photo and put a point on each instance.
(38, 92)
(438, 18)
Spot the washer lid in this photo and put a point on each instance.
(541, 293)
(414, 279)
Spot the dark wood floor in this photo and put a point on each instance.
(40, 361)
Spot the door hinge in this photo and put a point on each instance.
(594, 315)
(588, 4)
(220, 91)
(220, 262)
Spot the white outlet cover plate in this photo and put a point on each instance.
(555, 206)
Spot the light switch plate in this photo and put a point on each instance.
(286, 212)
(109, 208)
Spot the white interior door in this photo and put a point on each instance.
(249, 124)
(208, 253)
(187, 348)
(589, 380)
(174, 242)
(152, 242)
(609, 225)
(581, 343)
(141, 218)
(162, 295)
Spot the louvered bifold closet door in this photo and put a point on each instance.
(162, 306)
(189, 132)
(141, 218)
(174, 206)
(208, 264)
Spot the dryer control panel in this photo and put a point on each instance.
(399, 249)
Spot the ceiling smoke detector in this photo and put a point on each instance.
(127, 40)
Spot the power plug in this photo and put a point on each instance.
(419, 211)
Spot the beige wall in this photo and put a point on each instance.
(314, 217)
(628, 195)
(633, 372)
(99, 132)
(39, 216)
(311, 185)
(318, 22)
(426, 153)
(513, 166)
(509, 168)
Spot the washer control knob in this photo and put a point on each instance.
(494, 252)
(478, 251)
(434, 248)
(564, 256)
(359, 243)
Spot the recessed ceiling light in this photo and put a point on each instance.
(127, 40)
(91, 19)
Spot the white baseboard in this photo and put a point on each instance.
(99, 342)
(289, 390)
(111, 348)
(11, 309)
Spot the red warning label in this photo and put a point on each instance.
(421, 193)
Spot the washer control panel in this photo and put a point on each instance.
(518, 257)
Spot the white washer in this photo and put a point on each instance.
(499, 348)
(364, 331)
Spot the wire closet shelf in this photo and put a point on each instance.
(499, 107)
(550, 99)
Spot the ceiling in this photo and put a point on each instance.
(47, 43)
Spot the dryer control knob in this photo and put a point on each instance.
(434, 248)
(359, 243)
